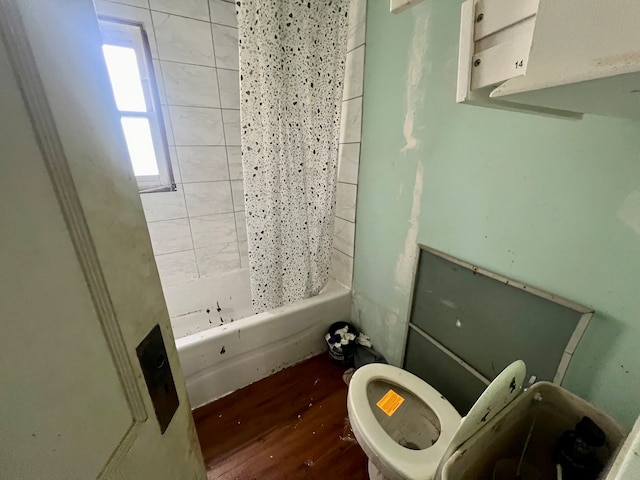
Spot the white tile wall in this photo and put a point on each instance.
(226, 47)
(164, 205)
(208, 198)
(344, 236)
(183, 39)
(241, 226)
(235, 162)
(179, 267)
(354, 74)
(194, 231)
(341, 267)
(187, 8)
(203, 164)
(238, 195)
(349, 151)
(229, 82)
(346, 201)
(210, 230)
(223, 13)
(351, 121)
(220, 258)
(348, 162)
(190, 85)
(136, 3)
(170, 236)
(231, 120)
(197, 126)
(357, 24)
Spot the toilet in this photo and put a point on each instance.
(408, 429)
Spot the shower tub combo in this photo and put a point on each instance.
(219, 354)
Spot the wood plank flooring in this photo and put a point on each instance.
(291, 425)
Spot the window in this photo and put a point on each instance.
(127, 56)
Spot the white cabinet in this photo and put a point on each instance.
(559, 57)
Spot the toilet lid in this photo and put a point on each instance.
(502, 391)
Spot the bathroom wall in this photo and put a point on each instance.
(552, 203)
(349, 150)
(198, 230)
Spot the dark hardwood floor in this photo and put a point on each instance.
(291, 425)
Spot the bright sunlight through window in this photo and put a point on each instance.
(132, 81)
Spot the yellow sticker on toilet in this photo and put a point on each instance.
(390, 402)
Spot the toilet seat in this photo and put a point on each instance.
(394, 460)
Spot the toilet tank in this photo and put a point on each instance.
(505, 435)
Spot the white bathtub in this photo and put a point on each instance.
(220, 360)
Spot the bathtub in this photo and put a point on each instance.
(220, 360)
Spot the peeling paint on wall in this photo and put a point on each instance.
(386, 326)
(407, 258)
(415, 94)
(629, 212)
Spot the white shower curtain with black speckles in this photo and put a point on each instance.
(292, 58)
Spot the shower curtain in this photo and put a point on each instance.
(292, 56)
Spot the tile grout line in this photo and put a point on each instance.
(200, 106)
(184, 195)
(224, 135)
(347, 254)
(193, 216)
(194, 64)
(355, 206)
(173, 14)
(353, 98)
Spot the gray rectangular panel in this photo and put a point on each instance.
(460, 387)
(488, 322)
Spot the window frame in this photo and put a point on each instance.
(126, 33)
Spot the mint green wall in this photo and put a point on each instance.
(552, 203)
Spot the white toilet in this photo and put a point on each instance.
(407, 429)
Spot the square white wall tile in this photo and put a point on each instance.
(203, 164)
(229, 81)
(234, 157)
(346, 201)
(231, 120)
(187, 8)
(183, 39)
(126, 12)
(351, 120)
(357, 24)
(211, 230)
(190, 85)
(344, 235)
(164, 205)
(348, 162)
(243, 247)
(197, 126)
(223, 13)
(170, 236)
(225, 42)
(341, 268)
(354, 74)
(208, 198)
(244, 261)
(237, 189)
(175, 268)
(241, 226)
(218, 259)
